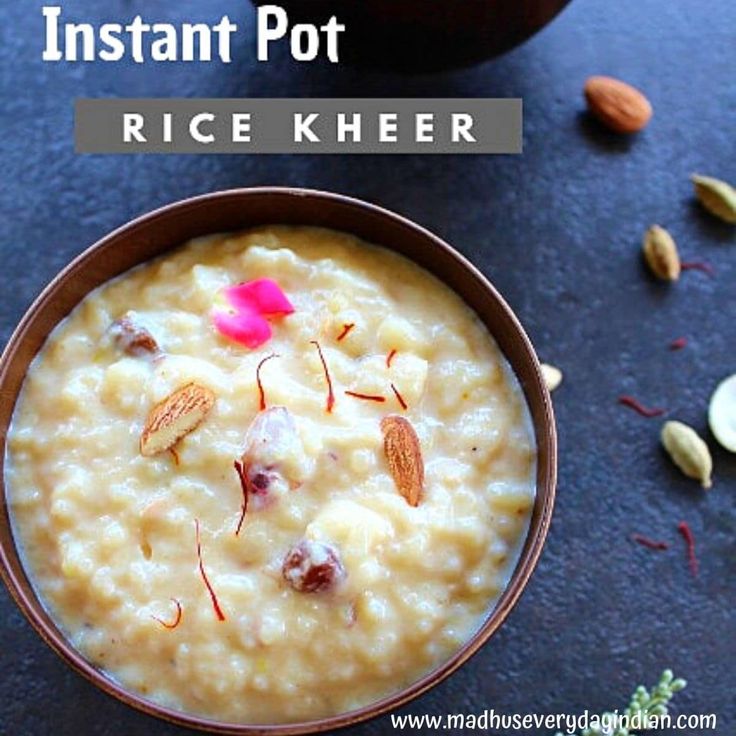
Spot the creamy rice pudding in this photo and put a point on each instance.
(270, 476)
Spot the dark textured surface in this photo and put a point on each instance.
(558, 230)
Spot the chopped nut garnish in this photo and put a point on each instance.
(176, 416)
(404, 455)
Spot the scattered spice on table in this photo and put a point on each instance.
(640, 408)
(687, 534)
(717, 196)
(552, 376)
(650, 543)
(698, 266)
(688, 451)
(679, 343)
(661, 254)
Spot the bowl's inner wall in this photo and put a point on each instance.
(163, 230)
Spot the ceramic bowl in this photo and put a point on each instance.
(153, 234)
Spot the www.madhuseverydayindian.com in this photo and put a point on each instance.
(493, 722)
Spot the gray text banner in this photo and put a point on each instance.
(295, 125)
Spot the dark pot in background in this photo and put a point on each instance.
(426, 35)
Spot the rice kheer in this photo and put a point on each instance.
(280, 532)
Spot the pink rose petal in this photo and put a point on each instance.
(262, 296)
(249, 329)
(251, 301)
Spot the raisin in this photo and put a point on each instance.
(313, 567)
(132, 338)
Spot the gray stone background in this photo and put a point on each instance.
(558, 230)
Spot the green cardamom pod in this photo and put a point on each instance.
(688, 451)
(552, 376)
(717, 196)
(660, 253)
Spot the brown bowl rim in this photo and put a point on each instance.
(527, 562)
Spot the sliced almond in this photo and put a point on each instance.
(404, 455)
(176, 416)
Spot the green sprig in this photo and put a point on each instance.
(643, 704)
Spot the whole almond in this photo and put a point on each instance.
(619, 106)
(717, 196)
(174, 417)
(660, 253)
(404, 455)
